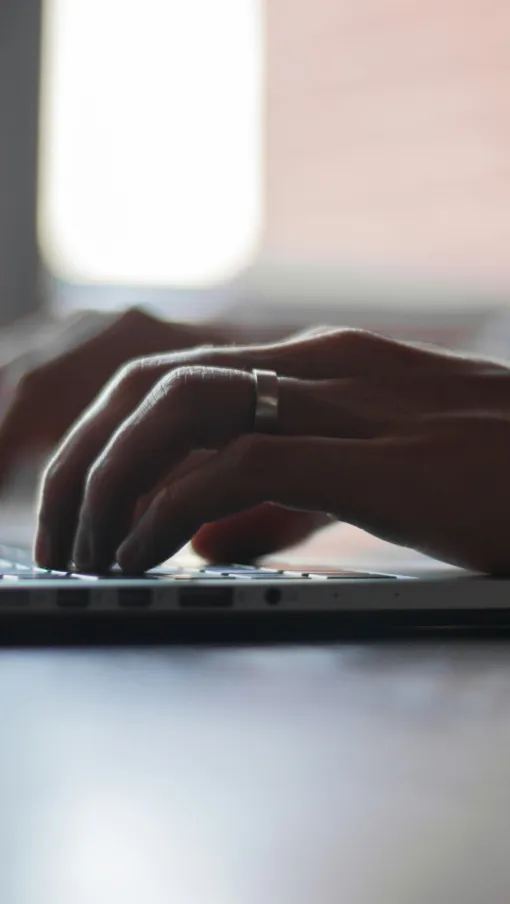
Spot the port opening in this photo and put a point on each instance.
(134, 597)
(273, 596)
(206, 597)
(73, 598)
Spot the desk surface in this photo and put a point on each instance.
(362, 774)
(354, 775)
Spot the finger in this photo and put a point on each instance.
(249, 535)
(23, 428)
(64, 480)
(201, 408)
(349, 477)
(245, 537)
(18, 433)
(53, 367)
(317, 357)
(194, 460)
(70, 363)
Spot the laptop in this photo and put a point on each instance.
(275, 602)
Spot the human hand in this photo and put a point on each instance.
(60, 368)
(409, 443)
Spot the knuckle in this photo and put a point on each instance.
(365, 349)
(132, 319)
(186, 388)
(185, 380)
(319, 353)
(129, 378)
(29, 383)
(53, 484)
(96, 485)
(314, 332)
(354, 340)
(50, 478)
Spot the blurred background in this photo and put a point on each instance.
(344, 161)
(241, 166)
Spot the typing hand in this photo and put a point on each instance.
(52, 371)
(406, 442)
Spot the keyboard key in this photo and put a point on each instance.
(237, 569)
(261, 576)
(162, 572)
(348, 575)
(38, 576)
(191, 576)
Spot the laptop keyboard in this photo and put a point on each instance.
(16, 565)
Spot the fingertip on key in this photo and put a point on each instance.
(130, 556)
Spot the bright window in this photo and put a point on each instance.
(150, 145)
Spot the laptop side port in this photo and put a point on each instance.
(206, 597)
(75, 598)
(134, 597)
(14, 597)
(273, 596)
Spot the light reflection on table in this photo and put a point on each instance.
(360, 774)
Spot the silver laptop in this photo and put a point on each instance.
(246, 602)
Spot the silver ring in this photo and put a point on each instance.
(266, 401)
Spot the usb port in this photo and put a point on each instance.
(206, 597)
(73, 599)
(134, 598)
(14, 597)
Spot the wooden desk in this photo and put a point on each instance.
(364, 775)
